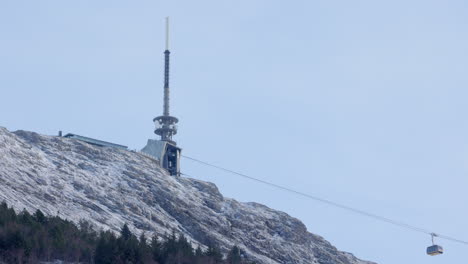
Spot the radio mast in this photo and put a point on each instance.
(166, 124)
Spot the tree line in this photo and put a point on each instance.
(32, 238)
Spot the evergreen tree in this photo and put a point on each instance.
(234, 256)
(39, 217)
(26, 238)
(198, 252)
(7, 215)
(144, 250)
(156, 248)
(214, 253)
(107, 249)
(169, 248)
(128, 246)
(26, 218)
(184, 247)
(125, 232)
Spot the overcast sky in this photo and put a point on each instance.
(359, 102)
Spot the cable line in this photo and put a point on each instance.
(338, 205)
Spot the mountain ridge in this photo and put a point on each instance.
(110, 187)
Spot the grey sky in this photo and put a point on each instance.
(360, 102)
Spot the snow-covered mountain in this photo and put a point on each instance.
(110, 187)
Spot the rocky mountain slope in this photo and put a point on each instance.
(110, 187)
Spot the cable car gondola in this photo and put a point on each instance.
(434, 249)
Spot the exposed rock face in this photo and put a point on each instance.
(110, 187)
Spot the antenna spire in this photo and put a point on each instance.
(167, 33)
(166, 71)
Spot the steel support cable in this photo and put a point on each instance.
(350, 209)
